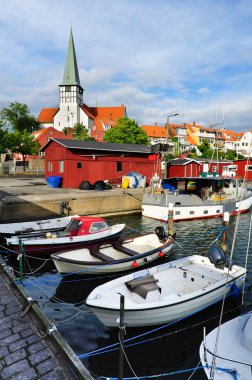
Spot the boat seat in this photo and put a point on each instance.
(142, 286)
(119, 246)
(94, 251)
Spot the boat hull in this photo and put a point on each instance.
(183, 210)
(46, 247)
(121, 263)
(158, 310)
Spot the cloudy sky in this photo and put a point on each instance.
(158, 57)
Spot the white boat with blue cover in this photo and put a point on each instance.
(167, 292)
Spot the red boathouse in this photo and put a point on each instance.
(76, 161)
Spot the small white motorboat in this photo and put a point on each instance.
(35, 227)
(226, 352)
(166, 292)
(117, 256)
(80, 232)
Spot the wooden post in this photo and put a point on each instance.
(170, 219)
(121, 337)
(226, 217)
(20, 260)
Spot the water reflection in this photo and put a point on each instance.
(170, 349)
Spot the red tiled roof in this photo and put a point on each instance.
(44, 134)
(155, 131)
(47, 114)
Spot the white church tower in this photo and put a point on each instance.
(71, 92)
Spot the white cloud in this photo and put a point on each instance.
(156, 57)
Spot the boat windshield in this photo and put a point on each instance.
(73, 225)
(98, 226)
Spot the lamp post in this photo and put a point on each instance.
(166, 140)
(167, 125)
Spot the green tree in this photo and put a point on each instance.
(126, 131)
(204, 148)
(80, 132)
(18, 118)
(24, 144)
(231, 154)
(65, 131)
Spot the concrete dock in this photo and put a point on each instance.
(24, 199)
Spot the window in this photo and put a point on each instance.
(119, 166)
(177, 212)
(248, 168)
(205, 211)
(79, 165)
(98, 226)
(191, 212)
(68, 88)
(61, 166)
(41, 154)
(217, 211)
(49, 166)
(214, 169)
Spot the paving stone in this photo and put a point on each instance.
(12, 303)
(46, 366)
(5, 333)
(26, 333)
(15, 357)
(14, 369)
(36, 347)
(6, 325)
(3, 352)
(17, 345)
(33, 339)
(20, 327)
(27, 375)
(56, 374)
(12, 310)
(10, 339)
(39, 357)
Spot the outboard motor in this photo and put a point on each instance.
(217, 256)
(160, 232)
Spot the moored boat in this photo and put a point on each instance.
(118, 256)
(81, 231)
(34, 227)
(206, 196)
(226, 352)
(166, 292)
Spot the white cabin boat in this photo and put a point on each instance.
(207, 196)
(226, 352)
(165, 292)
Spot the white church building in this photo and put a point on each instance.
(72, 110)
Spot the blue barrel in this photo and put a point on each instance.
(54, 181)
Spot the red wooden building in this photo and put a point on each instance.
(244, 168)
(189, 167)
(76, 161)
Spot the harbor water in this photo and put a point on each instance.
(166, 352)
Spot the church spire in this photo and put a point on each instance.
(71, 73)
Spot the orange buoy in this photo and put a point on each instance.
(161, 254)
(135, 264)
